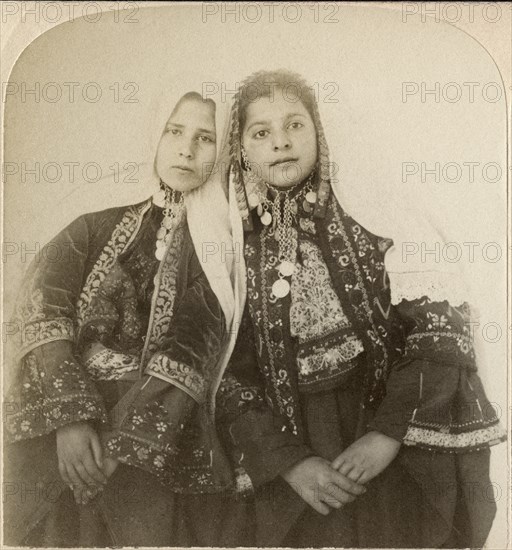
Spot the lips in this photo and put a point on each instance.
(283, 161)
(183, 168)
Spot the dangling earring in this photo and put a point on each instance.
(173, 211)
(245, 161)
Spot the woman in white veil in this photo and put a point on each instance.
(123, 346)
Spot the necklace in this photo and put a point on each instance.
(280, 212)
(174, 206)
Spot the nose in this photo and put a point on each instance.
(281, 141)
(186, 150)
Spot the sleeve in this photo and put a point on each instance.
(434, 397)
(147, 425)
(51, 391)
(256, 439)
(150, 420)
(49, 388)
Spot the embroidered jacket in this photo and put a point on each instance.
(108, 334)
(421, 385)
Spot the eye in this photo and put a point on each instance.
(205, 139)
(261, 134)
(295, 125)
(173, 131)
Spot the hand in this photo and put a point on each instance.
(320, 485)
(367, 457)
(80, 459)
(109, 467)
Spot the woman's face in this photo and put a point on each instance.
(279, 139)
(186, 151)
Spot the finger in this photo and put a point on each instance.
(319, 506)
(93, 471)
(64, 475)
(328, 499)
(338, 461)
(345, 469)
(356, 474)
(84, 474)
(77, 484)
(346, 484)
(97, 451)
(333, 494)
(76, 480)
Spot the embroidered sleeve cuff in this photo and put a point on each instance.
(51, 391)
(178, 374)
(437, 407)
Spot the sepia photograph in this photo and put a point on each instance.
(256, 274)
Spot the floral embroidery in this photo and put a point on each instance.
(37, 405)
(315, 310)
(121, 238)
(108, 364)
(178, 374)
(234, 397)
(358, 267)
(165, 292)
(439, 330)
(32, 335)
(327, 362)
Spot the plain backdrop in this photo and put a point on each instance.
(359, 65)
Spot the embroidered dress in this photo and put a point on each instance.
(315, 369)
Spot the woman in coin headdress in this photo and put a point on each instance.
(351, 405)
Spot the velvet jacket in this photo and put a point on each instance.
(131, 345)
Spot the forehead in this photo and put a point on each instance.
(194, 113)
(271, 108)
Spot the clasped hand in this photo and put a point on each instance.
(81, 462)
(325, 485)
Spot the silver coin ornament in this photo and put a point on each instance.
(311, 197)
(160, 252)
(259, 209)
(306, 206)
(167, 223)
(286, 268)
(266, 219)
(281, 288)
(161, 233)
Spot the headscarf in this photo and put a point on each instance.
(418, 276)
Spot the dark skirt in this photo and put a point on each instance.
(134, 509)
(420, 500)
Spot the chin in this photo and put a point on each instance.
(284, 182)
(286, 178)
(181, 183)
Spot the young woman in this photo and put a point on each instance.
(354, 414)
(120, 352)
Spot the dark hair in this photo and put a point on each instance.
(265, 83)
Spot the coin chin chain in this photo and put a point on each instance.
(280, 213)
(173, 208)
